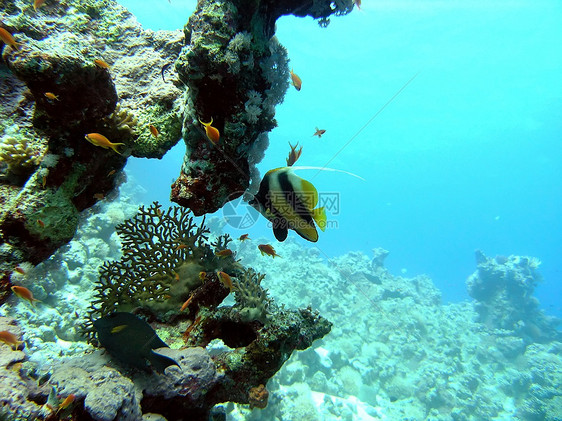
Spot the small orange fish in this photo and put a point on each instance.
(52, 96)
(296, 81)
(37, 4)
(102, 141)
(153, 130)
(176, 276)
(212, 133)
(110, 173)
(190, 328)
(44, 181)
(202, 276)
(224, 253)
(19, 270)
(319, 132)
(41, 223)
(226, 280)
(24, 293)
(67, 402)
(8, 39)
(101, 64)
(99, 196)
(294, 155)
(187, 302)
(10, 339)
(180, 247)
(244, 237)
(267, 249)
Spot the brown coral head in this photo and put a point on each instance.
(258, 397)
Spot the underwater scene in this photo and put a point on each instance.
(280, 210)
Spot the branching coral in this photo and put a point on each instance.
(251, 298)
(164, 253)
(123, 119)
(18, 155)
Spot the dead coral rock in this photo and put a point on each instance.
(14, 390)
(85, 92)
(106, 394)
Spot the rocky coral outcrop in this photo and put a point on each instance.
(503, 288)
(81, 67)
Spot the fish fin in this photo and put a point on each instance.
(159, 362)
(319, 216)
(114, 147)
(309, 233)
(280, 232)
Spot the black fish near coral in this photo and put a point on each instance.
(131, 340)
(289, 202)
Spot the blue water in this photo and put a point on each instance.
(467, 156)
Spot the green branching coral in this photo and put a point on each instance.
(251, 298)
(164, 253)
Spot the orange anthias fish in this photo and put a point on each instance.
(267, 249)
(187, 302)
(244, 237)
(153, 130)
(8, 39)
(37, 4)
(294, 155)
(358, 4)
(296, 81)
(10, 339)
(67, 402)
(19, 270)
(52, 96)
(319, 132)
(224, 253)
(212, 132)
(101, 64)
(226, 280)
(102, 141)
(24, 293)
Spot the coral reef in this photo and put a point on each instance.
(164, 253)
(49, 172)
(231, 53)
(503, 289)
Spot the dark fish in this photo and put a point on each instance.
(164, 68)
(289, 202)
(131, 340)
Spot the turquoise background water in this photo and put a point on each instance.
(466, 157)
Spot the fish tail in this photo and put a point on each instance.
(159, 362)
(319, 216)
(114, 147)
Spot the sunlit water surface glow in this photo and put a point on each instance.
(466, 157)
